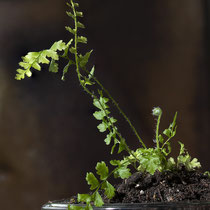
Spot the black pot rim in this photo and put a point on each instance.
(133, 206)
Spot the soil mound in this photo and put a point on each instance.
(169, 186)
(181, 185)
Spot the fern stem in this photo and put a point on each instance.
(119, 109)
(157, 131)
(85, 88)
(121, 112)
(104, 89)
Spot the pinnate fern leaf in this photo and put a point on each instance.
(34, 59)
(98, 201)
(109, 189)
(92, 180)
(102, 170)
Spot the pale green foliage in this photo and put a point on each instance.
(88, 80)
(87, 198)
(122, 171)
(207, 173)
(74, 207)
(92, 181)
(108, 124)
(184, 159)
(109, 189)
(159, 154)
(53, 66)
(153, 159)
(150, 160)
(83, 59)
(98, 201)
(34, 59)
(84, 198)
(142, 159)
(103, 172)
(66, 68)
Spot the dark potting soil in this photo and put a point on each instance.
(176, 186)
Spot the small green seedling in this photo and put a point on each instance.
(143, 159)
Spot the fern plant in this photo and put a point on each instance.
(143, 159)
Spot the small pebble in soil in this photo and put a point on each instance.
(141, 192)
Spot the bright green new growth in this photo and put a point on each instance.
(34, 59)
(144, 159)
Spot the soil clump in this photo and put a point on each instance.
(177, 186)
(169, 186)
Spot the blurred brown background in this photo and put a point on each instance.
(148, 53)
